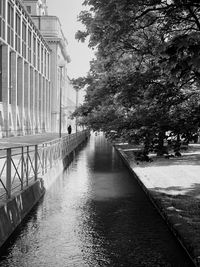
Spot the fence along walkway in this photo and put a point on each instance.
(21, 166)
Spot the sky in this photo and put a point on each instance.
(67, 11)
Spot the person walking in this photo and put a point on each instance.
(69, 129)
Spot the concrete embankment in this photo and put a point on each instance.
(14, 210)
(168, 210)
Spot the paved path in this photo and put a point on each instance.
(27, 140)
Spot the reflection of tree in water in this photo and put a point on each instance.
(106, 161)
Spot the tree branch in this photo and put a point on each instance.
(194, 16)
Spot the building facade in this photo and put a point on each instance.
(25, 98)
(51, 30)
(33, 69)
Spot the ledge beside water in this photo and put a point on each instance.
(173, 186)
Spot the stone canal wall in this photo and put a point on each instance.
(14, 210)
(157, 205)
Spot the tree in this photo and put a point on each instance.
(145, 78)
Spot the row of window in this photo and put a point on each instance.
(23, 38)
(41, 83)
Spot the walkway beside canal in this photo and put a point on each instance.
(27, 140)
(174, 186)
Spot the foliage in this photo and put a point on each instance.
(145, 79)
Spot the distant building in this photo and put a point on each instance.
(33, 60)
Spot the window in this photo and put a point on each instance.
(29, 44)
(2, 9)
(43, 95)
(10, 77)
(42, 59)
(47, 96)
(36, 88)
(0, 73)
(45, 62)
(40, 95)
(48, 65)
(24, 39)
(31, 88)
(2, 19)
(17, 33)
(19, 78)
(10, 24)
(34, 50)
(38, 56)
(28, 8)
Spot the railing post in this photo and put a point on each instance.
(22, 169)
(60, 149)
(8, 173)
(45, 158)
(36, 162)
(50, 156)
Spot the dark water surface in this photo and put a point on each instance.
(95, 214)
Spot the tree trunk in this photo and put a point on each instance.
(146, 145)
(161, 149)
(177, 144)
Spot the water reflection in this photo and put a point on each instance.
(94, 215)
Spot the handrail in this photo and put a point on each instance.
(22, 165)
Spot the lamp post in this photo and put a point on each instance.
(61, 66)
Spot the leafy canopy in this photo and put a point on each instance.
(145, 79)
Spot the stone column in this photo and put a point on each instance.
(13, 88)
(36, 108)
(5, 88)
(20, 92)
(31, 99)
(47, 105)
(54, 88)
(40, 102)
(26, 96)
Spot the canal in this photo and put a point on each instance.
(94, 214)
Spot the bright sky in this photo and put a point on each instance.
(67, 11)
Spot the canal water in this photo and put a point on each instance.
(95, 214)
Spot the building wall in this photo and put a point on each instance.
(70, 100)
(51, 30)
(25, 106)
(36, 7)
(33, 70)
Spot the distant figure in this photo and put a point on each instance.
(69, 129)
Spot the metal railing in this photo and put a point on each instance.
(21, 166)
